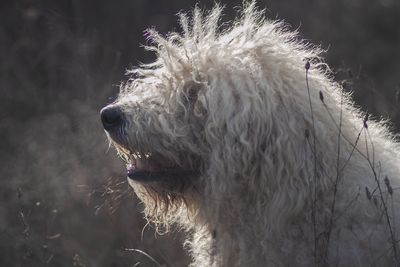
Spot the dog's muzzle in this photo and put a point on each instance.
(112, 118)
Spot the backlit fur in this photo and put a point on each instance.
(231, 101)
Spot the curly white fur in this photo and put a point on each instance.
(232, 102)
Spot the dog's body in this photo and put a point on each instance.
(223, 139)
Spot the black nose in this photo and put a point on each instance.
(111, 117)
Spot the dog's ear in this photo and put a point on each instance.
(255, 149)
(238, 127)
(238, 114)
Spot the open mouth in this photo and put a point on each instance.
(147, 168)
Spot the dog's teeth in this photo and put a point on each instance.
(131, 159)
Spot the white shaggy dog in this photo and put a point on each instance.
(239, 135)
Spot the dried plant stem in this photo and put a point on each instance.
(144, 254)
(339, 172)
(354, 145)
(335, 185)
(349, 205)
(385, 209)
(314, 209)
(352, 150)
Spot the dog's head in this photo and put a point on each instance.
(205, 121)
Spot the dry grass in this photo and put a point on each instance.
(379, 196)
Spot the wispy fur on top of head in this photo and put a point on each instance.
(205, 44)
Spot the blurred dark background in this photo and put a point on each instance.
(64, 198)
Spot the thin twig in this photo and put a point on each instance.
(352, 150)
(349, 205)
(313, 211)
(344, 136)
(337, 177)
(145, 254)
(385, 210)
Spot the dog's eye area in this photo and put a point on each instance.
(192, 94)
(186, 99)
(188, 96)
